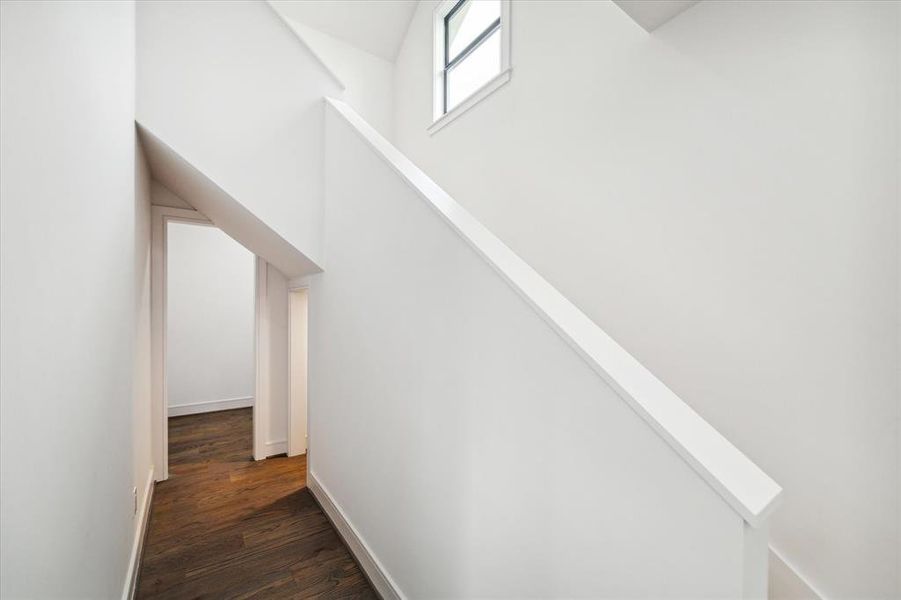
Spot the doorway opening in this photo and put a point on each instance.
(209, 363)
(206, 369)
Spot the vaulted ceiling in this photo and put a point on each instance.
(651, 14)
(376, 26)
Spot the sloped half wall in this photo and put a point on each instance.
(229, 85)
(201, 192)
(480, 436)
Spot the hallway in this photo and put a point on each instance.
(225, 526)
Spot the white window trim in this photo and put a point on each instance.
(440, 119)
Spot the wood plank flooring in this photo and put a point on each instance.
(226, 526)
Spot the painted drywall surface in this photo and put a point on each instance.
(297, 305)
(368, 79)
(785, 584)
(209, 318)
(277, 427)
(721, 197)
(376, 27)
(142, 459)
(228, 86)
(651, 15)
(195, 188)
(162, 196)
(898, 251)
(67, 285)
(461, 423)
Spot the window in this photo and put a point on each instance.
(472, 57)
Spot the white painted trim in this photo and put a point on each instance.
(159, 422)
(299, 283)
(295, 448)
(137, 546)
(261, 354)
(308, 47)
(755, 561)
(273, 448)
(378, 576)
(206, 406)
(802, 588)
(477, 96)
(741, 483)
(439, 117)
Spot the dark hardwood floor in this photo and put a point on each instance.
(225, 526)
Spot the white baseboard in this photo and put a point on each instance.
(273, 448)
(786, 583)
(378, 576)
(137, 546)
(206, 406)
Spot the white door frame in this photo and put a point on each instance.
(296, 447)
(161, 216)
(263, 389)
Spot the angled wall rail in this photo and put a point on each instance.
(741, 483)
(475, 435)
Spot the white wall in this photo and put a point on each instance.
(276, 432)
(229, 88)
(209, 319)
(67, 291)
(447, 415)
(368, 79)
(722, 198)
(142, 458)
(160, 195)
(297, 356)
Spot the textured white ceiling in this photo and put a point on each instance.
(376, 26)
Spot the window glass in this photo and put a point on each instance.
(467, 22)
(474, 71)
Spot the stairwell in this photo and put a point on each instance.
(472, 433)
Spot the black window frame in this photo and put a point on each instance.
(450, 63)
